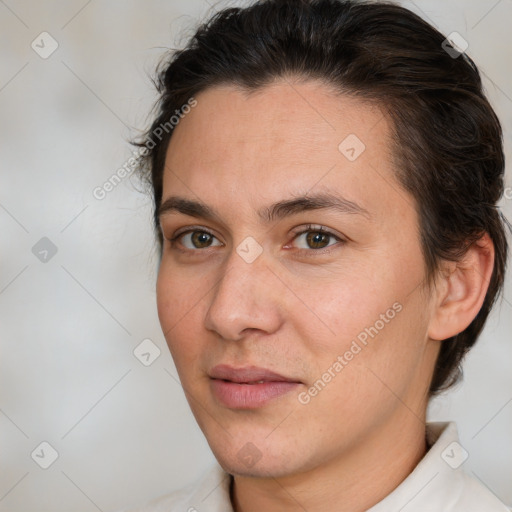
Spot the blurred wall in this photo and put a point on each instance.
(77, 271)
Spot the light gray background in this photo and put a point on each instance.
(68, 327)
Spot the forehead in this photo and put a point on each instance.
(283, 139)
(282, 115)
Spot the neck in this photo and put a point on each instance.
(351, 482)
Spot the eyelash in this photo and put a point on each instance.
(308, 229)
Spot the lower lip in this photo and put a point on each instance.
(249, 396)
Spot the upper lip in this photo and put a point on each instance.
(247, 374)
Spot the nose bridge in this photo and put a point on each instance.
(242, 294)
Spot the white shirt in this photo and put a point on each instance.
(437, 484)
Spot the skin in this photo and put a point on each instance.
(296, 308)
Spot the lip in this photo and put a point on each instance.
(247, 374)
(249, 387)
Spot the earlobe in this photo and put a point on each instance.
(462, 289)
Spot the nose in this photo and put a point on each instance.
(245, 298)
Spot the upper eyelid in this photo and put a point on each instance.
(296, 231)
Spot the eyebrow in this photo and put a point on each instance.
(271, 213)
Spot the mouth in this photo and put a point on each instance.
(249, 387)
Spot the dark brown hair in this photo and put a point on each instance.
(447, 138)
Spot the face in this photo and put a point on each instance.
(324, 304)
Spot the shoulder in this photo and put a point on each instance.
(210, 492)
(468, 492)
(439, 481)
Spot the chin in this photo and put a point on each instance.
(260, 469)
(260, 457)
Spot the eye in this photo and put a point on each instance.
(316, 238)
(197, 238)
(313, 237)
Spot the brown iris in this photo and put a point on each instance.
(317, 237)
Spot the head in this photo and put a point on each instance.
(306, 103)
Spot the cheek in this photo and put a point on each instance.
(177, 291)
(164, 299)
(371, 379)
(338, 311)
(372, 321)
(176, 305)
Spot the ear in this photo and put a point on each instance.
(461, 290)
